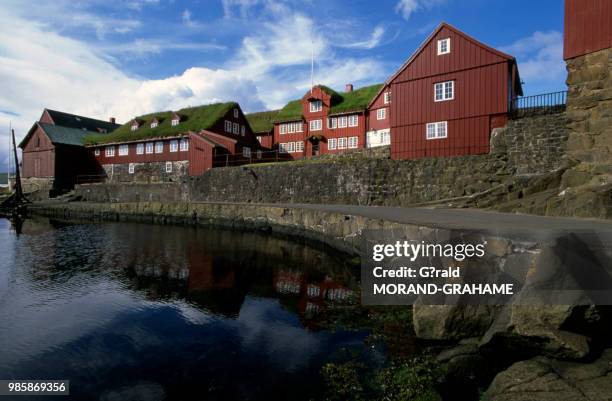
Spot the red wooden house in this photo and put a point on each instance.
(262, 124)
(449, 95)
(588, 27)
(170, 144)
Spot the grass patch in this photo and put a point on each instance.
(262, 121)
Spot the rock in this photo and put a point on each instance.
(449, 322)
(543, 379)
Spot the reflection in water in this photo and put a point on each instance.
(128, 311)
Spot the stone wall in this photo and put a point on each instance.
(146, 172)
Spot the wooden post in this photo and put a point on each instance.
(18, 189)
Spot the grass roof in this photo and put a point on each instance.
(356, 100)
(262, 121)
(192, 119)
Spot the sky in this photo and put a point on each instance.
(103, 58)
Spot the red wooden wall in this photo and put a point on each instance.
(588, 27)
(132, 157)
(38, 156)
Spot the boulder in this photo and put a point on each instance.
(450, 322)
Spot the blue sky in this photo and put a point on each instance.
(105, 58)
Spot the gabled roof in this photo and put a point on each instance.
(80, 122)
(63, 135)
(192, 119)
(262, 121)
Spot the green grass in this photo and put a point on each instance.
(192, 119)
(262, 121)
(291, 112)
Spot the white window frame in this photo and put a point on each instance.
(159, 147)
(184, 145)
(443, 86)
(174, 145)
(290, 128)
(342, 143)
(149, 148)
(331, 143)
(316, 125)
(228, 126)
(342, 122)
(299, 146)
(134, 127)
(131, 167)
(140, 148)
(381, 114)
(259, 154)
(236, 128)
(175, 122)
(353, 120)
(154, 124)
(282, 147)
(235, 113)
(109, 151)
(168, 167)
(124, 150)
(316, 106)
(298, 127)
(353, 142)
(441, 42)
(437, 130)
(387, 97)
(97, 152)
(246, 151)
(332, 123)
(291, 147)
(282, 129)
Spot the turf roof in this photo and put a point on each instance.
(262, 121)
(356, 100)
(192, 119)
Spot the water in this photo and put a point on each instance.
(141, 312)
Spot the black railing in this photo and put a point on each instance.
(539, 104)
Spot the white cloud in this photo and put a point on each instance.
(372, 42)
(407, 7)
(242, 6)
(142, 47)
(187, 20)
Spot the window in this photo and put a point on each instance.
(235, 113)
(353, 120)
(341, 143)
(315, 125)
(242, 130)
(154, 124)
(385, 138)
(332, 123)
(282, 147)
(159, 147)
(352, 142)
(174, 145)
(184, 145)
(131, 168)
(387, 98)
(436, 130)
(259, 154)
(175, 122)
(316, 105)
(291, 147)
(342, 122)
(228, 126)
(109, 151)
(134, 127)
(282, 128)
(290, 128)
(149, 149)
(381, 114)
(97, 151)
(299, 146)
(246, 152)
(331, 144)
(139, 148)
(298, 126)
(236, 128)
(259, 138)
(168, 167)
(444, 91)
(123, 150)
(443, 46)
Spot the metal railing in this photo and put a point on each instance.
(539, 104)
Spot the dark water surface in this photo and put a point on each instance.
(142, 312)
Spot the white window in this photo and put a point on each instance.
(154, 124)
(246, 152)
(315, 125)
(149, 148)
(184, 145)
(139, 148)
(291, 147)
(298, 127)
(332, 123)
(259, 138)
(385, 138)
(444, 91)
(381, 114)
(242, 130)
(228, 126)
(159, 147)
(282, 147)
(109, 151)
(290, 128)
(316, 105)
(174, 145)
(341, 143)
(443, 46)
(168, 167)
(134, 127)
(131, 168)
(342, 122)
(175, 122)
(353, 120)
(236, 128)
(235, 113)
(353, 142)
(124, 150)
(259, 154)
(299, 146)
(387, 97)
(331, 144)
(436, 130)
(97, 151)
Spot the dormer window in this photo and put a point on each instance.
(316, 105)
(134, 126)
(175, 122)
(154, 123)
(443, 46)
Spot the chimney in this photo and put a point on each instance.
(348, 88)
(112, 120)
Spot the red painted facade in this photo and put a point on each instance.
(38, 156)
(484, 81)
(588, 27)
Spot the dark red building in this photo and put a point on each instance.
(262, 124)
(449, 95)
(588, 27)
